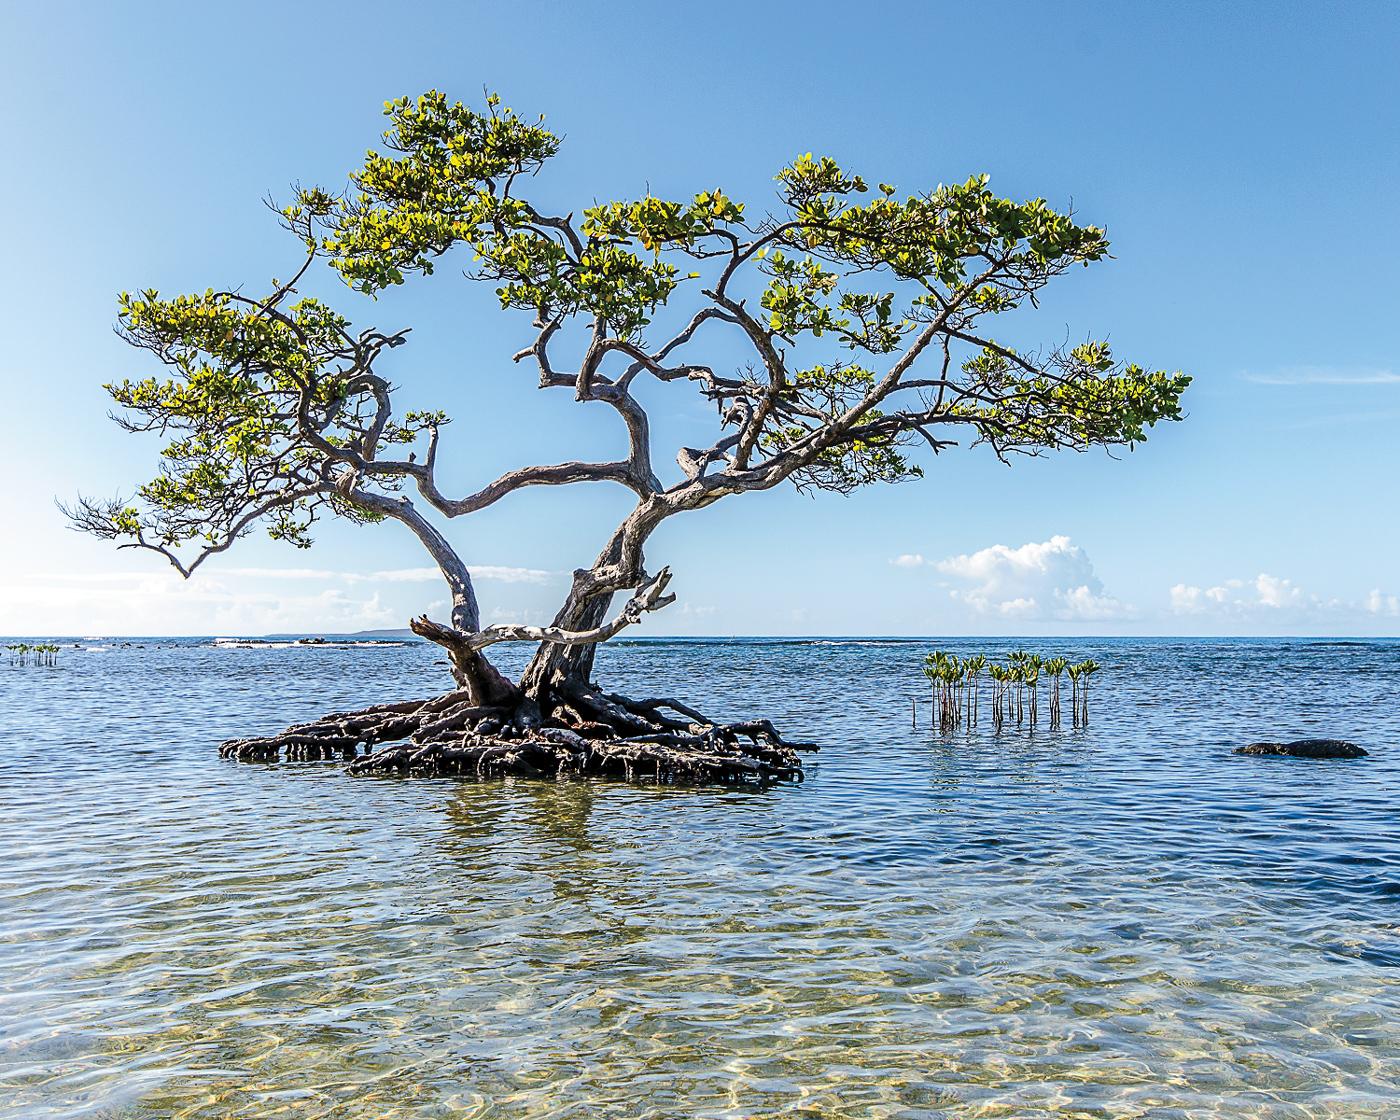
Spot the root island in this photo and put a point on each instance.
(589, 733)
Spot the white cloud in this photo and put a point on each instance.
(507, 616)
(1322, 375)
(1052, 579)
(1263, 594)
(909, 560)
(1276, 593)
(510, 575)
(1194, 600)
(1083, 602)
(1380, 603)
(396, 575)
(229, 600)
(102, 603)
(1268, 598)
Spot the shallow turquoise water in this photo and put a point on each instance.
(1117, 922)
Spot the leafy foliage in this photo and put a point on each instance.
(866, 314)
(820, 396)
(254, 398)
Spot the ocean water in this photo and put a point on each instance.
(1121, 921)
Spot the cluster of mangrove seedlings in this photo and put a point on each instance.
(1014, 687)
(22, 653)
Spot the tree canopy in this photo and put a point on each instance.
(868, 316)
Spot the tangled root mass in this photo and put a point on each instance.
(591, 733)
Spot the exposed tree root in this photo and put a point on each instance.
(590, 733)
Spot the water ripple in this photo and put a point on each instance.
(1126, 921)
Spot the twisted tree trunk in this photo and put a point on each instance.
(557, 668)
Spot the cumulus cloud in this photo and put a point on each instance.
(1272, 598)
(1198, 600)
(1379, 603)
(909, 560)
(1262, 594)
(1052, 579)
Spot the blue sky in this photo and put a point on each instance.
(1243, 157)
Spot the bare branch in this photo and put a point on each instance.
(649, 597)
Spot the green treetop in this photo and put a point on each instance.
(867, 318)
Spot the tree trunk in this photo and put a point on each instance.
(558, 668)
(483, 683)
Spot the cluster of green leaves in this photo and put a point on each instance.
(943, 668)
(1079, 399)
(239, 374)
(222, 346)
(798, 299)
(413, 425)
(814, 188)
(656, 223)
(447, 181)
(937, 238)
(808, 404)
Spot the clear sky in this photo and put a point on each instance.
(1244, 157)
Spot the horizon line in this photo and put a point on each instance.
(406, 632)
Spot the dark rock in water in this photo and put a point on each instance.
(1306, 748)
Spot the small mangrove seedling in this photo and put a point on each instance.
(950, 672)
(1031, 670)
(1055, 668)
(1015, 688)
(998, 675)
(932, 668)
(972, 671)
(940, 668)
(1086, 670)
(1016, 663)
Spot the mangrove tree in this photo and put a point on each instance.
(866, 315)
